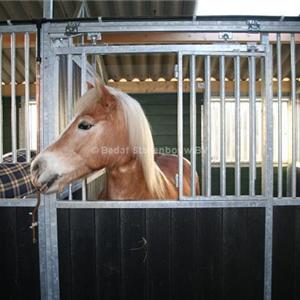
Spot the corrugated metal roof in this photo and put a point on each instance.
(128, 66)
(20, 10)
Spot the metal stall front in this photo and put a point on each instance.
(67, 41)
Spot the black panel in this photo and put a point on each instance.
(27, 257)
(162, 254)
(133, 254)
(19, 266)
(83, 256)
(64, 253)
(108, 250)
(8, 254)
(286, 253)
(184, 285)
(242, 271)
(158, 257)
(209, 250)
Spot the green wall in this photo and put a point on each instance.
(7, 123)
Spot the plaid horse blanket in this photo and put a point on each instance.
(15, 177)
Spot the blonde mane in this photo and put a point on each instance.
(141, 141)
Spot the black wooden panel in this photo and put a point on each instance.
(19, 266)
(184, 283)
(108, 250)
(240, 268)
(27, 257)
(158, 256)
(64, 253)
(132, 254)
(8, 254)
(83, 255)
(286, 255)
(209, 253)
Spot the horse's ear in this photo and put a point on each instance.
(89, 85)
(108, 101)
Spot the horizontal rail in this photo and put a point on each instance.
(222, 49)
(177, 204)
(16, 202)
(17, 28)
(181, 26)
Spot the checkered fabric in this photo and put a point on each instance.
(15, 177)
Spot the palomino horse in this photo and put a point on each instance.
(110, 130)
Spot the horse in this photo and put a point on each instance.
(110, 130)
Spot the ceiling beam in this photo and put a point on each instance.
(160, 87)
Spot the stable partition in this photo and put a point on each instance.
(262, 96)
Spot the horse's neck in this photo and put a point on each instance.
(126, 181)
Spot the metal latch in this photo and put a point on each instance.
(253, 25)
(72, 28)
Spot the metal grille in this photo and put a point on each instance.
(53, 50)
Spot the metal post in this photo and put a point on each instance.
(193, 122)
(252, 125)
(83, 90)
(1, 105)
(222, 128)
(207, 129)
(27, 133)
(279, 96)
(48, 253)
(237, 93)
(13, 97)
(294, 114)
(70, 101)
(268, 163)
(180, 126)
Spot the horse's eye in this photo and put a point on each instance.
(85, 126)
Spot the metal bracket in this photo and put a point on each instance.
(72, 28)
(252, 47)
(225, 36)
(253, 26)
(94, 37)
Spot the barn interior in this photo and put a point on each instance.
(243, 247)
(151, 78)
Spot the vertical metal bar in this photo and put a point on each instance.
(237, 93)
(26, 55)
(193, 120)
(69, 101)
(1, 105)
(222, 128)
(48, 9)
(268, 252)
(294, 114)
(180, 126)
(267, 74)
(252, 127)
(13, 97)
(279, 96)
(48, 253)
(207, 129)
(83, 90)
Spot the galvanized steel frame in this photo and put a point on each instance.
(48, 243)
